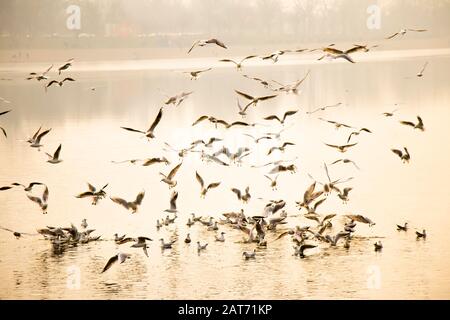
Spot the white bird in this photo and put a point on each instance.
(238, 64)
(200, 246)
(130, 205)
(220, 238)
(42, 202)
(35, 142)
(149, 133)
(173, 203)
(202, 43)
(54, 159)
(204, 189)
(169, 179)
(120, 257)
(402, 32)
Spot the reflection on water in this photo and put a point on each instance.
(87, 123)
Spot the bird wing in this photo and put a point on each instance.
(42, 134)
(246, 96)
(85, 194)
(91, 187)
(213, 185)
(248, 57)
(408, 123)
(5, 188)
(199, 179)
(35, 199)
(237, 123)
(417, 30)
(350, 145)
(318, 203)
(132, 130)
(332, 50)
(420, 121)
(266, 97)
(120, 201)
(68, 79)
(4, 112)
(110, 262)
(193, 45)
(272, 117)
(45, 195)
(397, 152)
(217, 42)
(200, 120)
(350, 136)
(228, 60)
(51, 83)
(156, 121)
(4, 132)
(289, 113)
(139, 197)
(392, 36)
(237, 192)
(57, 152)
(174, 171)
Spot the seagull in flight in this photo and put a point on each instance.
(204, 189)
(254, 100)
(402, 32)
(149, 133)
(60, 83)
(54, 159)
(342, 148)
(238, 64)
(120, 257)
(404, 156)
(178, 99)
(96, 195)
(345, 161)
(286, 114)
(420, 74)
(324, 108)
(130, 205)
(42, 202)
(202, 43)
(195, 74)
(35, 142)
(419, 125)
(169, 179)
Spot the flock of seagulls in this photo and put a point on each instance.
(254, 228)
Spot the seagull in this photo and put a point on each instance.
(188, 239)
(378, 246)
(195, 74)
(96, 195)
(169, 179)
(4, 131)
(342, 148)
(42, 202)
(422, 234)
(200, 246)
(286, 114)
(60, 83)
(356, 133)
(202, 43)
(345, 161)
(337, 125)
(299, 250)
(220, 238)
(273, 182)
(324, 108)
(275, 55)
(132, 205)
(149, 133)
(402, 32)
(178, 99)
(238, 64)
(54, 159)
(214, 227)
(120, 257)
(405, 157)
(41, 76)
(281, 168)
(190, 223)
(173, 203)
(403, 228)
(344, 194)
(419, 124)
(336, 54)
(84, 224)
(389, 114)
(360, 218)
(249, 254)
(420, 74)
(204, 189)
(244, 197)
(281, 148)
(292, 87)
(254, 100)
(65, 66)
(261, 81)
(36, 141)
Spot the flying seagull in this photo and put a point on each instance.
(149, 133)
(238, 64)
(120, 257)
(419, 125)
(404, 156)
(54, 159)
(402, 32)
(202, 43)
(204, 189)
(132, 205)
(195, 74)
(42, 202)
